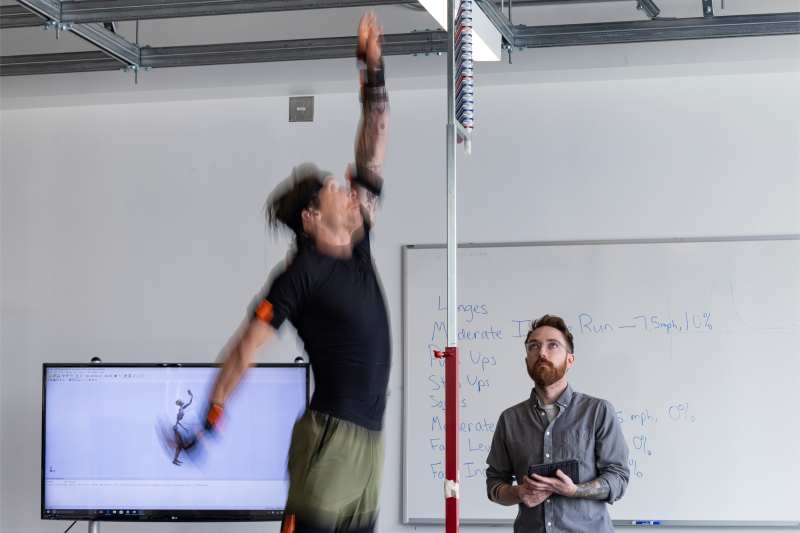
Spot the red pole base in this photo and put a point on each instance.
(451, 434)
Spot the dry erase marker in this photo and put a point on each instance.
(646, 523)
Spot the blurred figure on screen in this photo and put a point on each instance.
(331, 294)
(182, 442)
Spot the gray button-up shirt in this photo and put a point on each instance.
(585, 429)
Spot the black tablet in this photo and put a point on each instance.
(568, 467)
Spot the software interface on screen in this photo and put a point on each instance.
(130, 440)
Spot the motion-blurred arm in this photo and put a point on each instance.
(239, 359)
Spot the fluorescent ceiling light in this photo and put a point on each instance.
(486, 40)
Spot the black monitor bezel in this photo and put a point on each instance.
(159, 515)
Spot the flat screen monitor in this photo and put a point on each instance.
(126, 442)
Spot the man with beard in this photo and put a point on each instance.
(557, 424)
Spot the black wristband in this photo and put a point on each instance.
(372, 78)
(376, 78)
(367, 179)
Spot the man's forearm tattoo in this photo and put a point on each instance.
(598, 489)
(373, 129)
(372, 198)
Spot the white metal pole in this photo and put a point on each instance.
(452, 335)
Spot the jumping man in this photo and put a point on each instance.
(330, 293)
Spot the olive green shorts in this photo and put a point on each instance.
(335, 470)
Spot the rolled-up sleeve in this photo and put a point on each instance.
(611, 452)
(500, 470)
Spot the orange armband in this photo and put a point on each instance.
(264, 312)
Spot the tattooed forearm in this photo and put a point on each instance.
(372, 198)
(373, 128)
(593, 490)
(371, 141)
(373, 131)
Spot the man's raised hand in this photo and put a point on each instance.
(369, 48)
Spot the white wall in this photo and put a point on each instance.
(134, 232)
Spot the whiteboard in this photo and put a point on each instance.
(694, 342)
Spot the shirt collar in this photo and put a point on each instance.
(563, 400)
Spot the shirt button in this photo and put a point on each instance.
(548, 501)
(547, 455)
(548, 432)
(549, 524)
(542, 413)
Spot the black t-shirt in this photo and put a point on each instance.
(337, 308)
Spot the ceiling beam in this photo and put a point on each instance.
(121, 10)
(85, 11)
(423, 42)
(427, 42)
(496, 16)
(415, 43)
(657, 30)
(18, 17)
(56, 63)
(47, 9)
(108, 42)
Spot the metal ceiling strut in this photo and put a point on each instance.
(120, 10)
(85, 11)
(56, 63)
(82, 18)
(224, 54)
(18, 17)
(496, 16)
(642, 31)
(292, 50)
(107, 41)
(46, 9)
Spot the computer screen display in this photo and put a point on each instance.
(128, 443)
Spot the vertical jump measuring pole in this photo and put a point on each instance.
(451, 352)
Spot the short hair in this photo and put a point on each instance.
(554, 322)
(298, 192)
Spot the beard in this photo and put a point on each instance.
(544, 376)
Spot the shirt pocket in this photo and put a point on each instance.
(579, 445)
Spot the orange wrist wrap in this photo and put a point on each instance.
(214, 413)
(288, 524)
